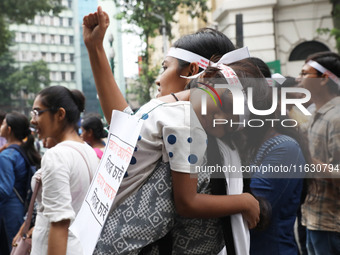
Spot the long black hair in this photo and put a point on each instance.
(20, 127)
(94, 123)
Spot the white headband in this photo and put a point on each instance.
(230, 75)
(188, 56)
(323, 70)
(228, 58)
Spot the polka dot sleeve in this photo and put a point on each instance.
(185, 147)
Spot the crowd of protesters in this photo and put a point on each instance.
(206, 212)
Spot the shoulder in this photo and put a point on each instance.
(160, 106)
(156, 111)
(69, 154)
(279, 141)
(10, 154)
(278, 146)
(70, 149)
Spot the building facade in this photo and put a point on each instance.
(58, 41)
(285, 31)
(52, 39)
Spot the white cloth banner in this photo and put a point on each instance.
(122, 139)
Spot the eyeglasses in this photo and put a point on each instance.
(302, 74)
(35, 113)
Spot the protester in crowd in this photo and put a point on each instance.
(281, 148)
(47, 144)
(66, 170)
(15, 159)
(168, 81)
(204, 44)
(320, 212)
(276, 146)
(92, 132)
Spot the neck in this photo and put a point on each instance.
(322, 99)
(97, 144)
(11, 141)
(69, 134)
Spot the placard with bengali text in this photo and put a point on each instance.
(122, 139)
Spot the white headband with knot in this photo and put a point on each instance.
(188, 56)
(324, 70)
(202, 62)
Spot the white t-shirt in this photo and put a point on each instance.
(171, 131)
(65, 180)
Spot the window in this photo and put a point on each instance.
(72, 76)
(17, 37)
(70, 21)
(33, 38)
(43, 56)
(303, 50)
(62, 57)
(62, 39)
(71, 40)
(63, 76)
(72, 58)
(53, 76)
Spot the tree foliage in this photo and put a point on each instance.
(32, 77)
(22, 11)
(336, 22)
(142, 14)
(13, 81)
(6, 70)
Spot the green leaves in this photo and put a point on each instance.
(31, 79)
(145, 14)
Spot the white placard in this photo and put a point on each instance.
(122, 139)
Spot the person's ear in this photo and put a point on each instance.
(193, 68)
(90, 132)
(9, 129)
(324, 79)
(61, 114)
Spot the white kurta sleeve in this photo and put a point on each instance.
(56, 194)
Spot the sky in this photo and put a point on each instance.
(131, 49)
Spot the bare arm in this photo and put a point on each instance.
(191, 204)
(57, 238)
(110, 97)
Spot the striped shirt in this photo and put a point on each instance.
(321, 210)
